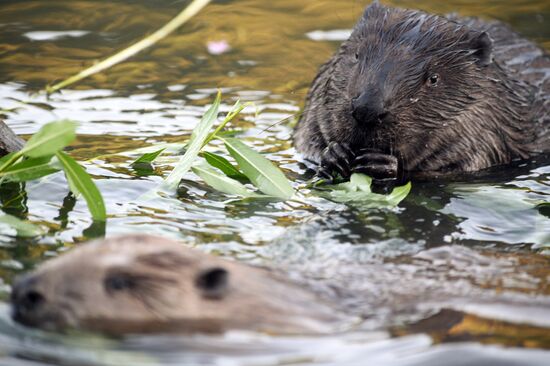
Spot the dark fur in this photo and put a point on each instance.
(491, 104)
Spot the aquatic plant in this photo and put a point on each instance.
(252, 167)
(43, 155)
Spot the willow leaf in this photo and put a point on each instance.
(223, 183)
(23, 228)
(200, 134)
(224, 165)
(262, 173)
(82, 184)
(30, 169)
(51, 138)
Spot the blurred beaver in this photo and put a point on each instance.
(145, 284)
(413, 94)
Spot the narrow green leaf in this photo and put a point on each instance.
(263, 173)
(5, 158)
(358, 191)
(200, 134)
(51, 138)
(81, 183)
(8, 160)
(148, 158)
(222, 183)
(224, 165)
(30, 169)
(399, 194)
(23, 228)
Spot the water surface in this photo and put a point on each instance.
(158, 97)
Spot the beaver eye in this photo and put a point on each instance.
(356, 56)
(119, 282)
(433, 80)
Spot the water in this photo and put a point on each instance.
(274, 51)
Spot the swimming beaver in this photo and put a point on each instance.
(139, 284)
(416, 94)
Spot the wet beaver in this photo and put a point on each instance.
(148, 284)
(140, 284)
(413, 94)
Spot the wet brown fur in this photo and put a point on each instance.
(161, 289)
(491, 106)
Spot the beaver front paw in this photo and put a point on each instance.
(376, 165)
(336, 159)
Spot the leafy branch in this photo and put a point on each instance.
(41, 156)
(254, 168)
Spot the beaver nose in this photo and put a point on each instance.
(26, 300)
(368, 108)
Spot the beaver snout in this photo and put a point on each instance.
(368, 108)
(28, 302)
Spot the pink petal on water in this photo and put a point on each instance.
(218, 47)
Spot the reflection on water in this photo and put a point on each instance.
(274, 51)
(241, 348)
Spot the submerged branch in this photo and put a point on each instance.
(9, 141)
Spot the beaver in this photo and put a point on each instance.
(413, 94)
(148, 284)
(145, 284)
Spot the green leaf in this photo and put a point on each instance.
(23, 228)
(148, 158)
(30, 169)
(9, 160)
(223, 183)
(51, 138)
(224, 165)
(358, 191)
(263, 173)
(5, 158)
(199, 136)
(81, 183)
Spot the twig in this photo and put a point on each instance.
(171, 26)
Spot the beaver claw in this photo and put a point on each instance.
(336, 159)
(377, 165)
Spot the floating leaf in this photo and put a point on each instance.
(51, 138)
(30, 169)
(266, 177)
(148, 158)
(23, 228)
(223, 183)
(81, 183)
(224, 165)
(358, 190)
(199, 136)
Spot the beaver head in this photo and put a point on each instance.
(425, 89)
(140, 284)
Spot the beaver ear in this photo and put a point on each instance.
(213, 282)
(482, 45)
